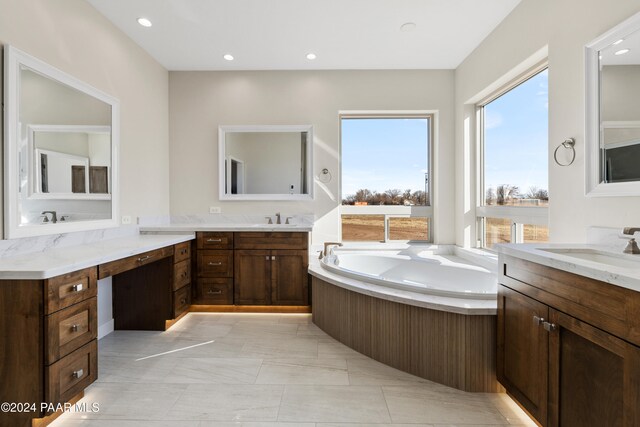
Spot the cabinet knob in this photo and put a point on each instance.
(77, 288)
(538, 320)
(78, 374)
(74, 328)
(549, 327)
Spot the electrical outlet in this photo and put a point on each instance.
(126, 219)
(215, 209)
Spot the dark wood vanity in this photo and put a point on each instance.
(568, 346)
(252, 269)
(48, 328)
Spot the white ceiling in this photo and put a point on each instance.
(277, 34)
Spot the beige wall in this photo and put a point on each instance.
(565, 27)
(72, 36)
(201, 101)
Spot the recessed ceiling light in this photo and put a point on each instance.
(311, 56)
(144, 22)
(228, 57)
(618, 42)
(407, 27)
(622, 52)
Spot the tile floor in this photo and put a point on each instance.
(266, 370)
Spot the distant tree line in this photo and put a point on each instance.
(504, 194)
(389, 197)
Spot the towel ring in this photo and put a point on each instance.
(569, 144)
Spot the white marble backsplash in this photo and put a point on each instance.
(224, 219)
(609, 237)
(26, 245)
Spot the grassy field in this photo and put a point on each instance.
(371, 228)
(361, 228)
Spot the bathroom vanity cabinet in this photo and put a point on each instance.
(48, 333)
(252, 268)
(568, 346)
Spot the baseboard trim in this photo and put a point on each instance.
(105, 329)
(250, 309)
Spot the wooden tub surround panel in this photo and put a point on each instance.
(453, 349)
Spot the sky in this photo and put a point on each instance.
(382, 154)
(516, 136)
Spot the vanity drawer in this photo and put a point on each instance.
(71, 374)
(215, 240)
(181, 300)
(70, 328)
(271, 240)
(125, 264)
(71, 288)
(181, 251)
(215, 263)
(181, 274)
(216, 291)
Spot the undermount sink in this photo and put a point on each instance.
(594, 255)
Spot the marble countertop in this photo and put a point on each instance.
(625, 276)
(434, 302)
(54, 262)
(195, 226)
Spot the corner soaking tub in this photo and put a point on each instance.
(424, 311)
(426, 273)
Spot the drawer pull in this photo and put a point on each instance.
(78, 374)
(214, 240)
(549, 327)
(538, 320)
(182, 252)
(214, 291)
(183, 275)
(77, 288)
(183, 301)
(74, 328)
(214, 263)
(144, 258)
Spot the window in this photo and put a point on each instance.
(514, 163)
(385, 177)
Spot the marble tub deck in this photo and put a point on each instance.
(266, 370)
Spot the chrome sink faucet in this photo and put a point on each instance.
(632, 246)
(54, 216)
(278, 221)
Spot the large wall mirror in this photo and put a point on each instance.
(613, 111)
(60, 151)
(265, 162)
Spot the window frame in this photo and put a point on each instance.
(519, 215)
(390, 211)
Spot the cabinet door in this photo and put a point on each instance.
(523, 344)
(594, 376)
(289, 278)
(252, 277)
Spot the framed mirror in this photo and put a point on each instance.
(612, 144)
(265, 162)
(60, 151)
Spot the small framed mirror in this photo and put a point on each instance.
(612, 143)
(60, 151)
(265, 162)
